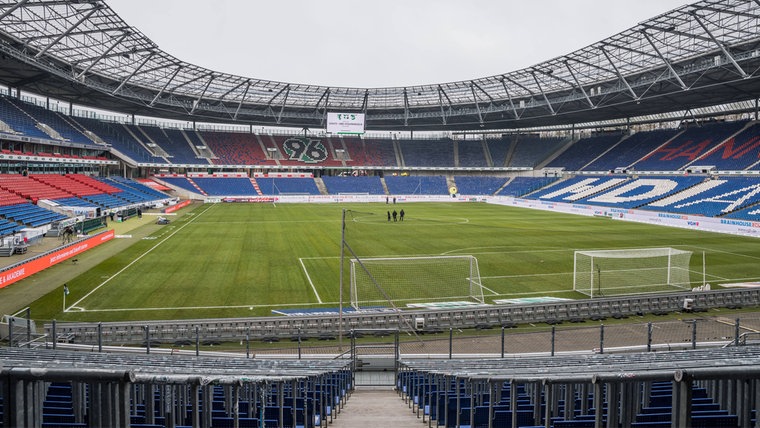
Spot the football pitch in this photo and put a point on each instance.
(238, 260)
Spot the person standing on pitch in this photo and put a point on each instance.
(389, 216)
(401, 214)
(395, 214)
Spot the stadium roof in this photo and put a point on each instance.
(81, 51)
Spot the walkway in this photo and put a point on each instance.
(371, 408)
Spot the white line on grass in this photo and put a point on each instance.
(131, 263)
(728, 252)
(195, 308)
(468, 250)
(306, 272)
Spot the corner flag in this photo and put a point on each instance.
(65, 290)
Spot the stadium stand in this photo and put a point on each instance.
(59, 127)
(134, 191)
(478, 185)
(584, 150)
(8, 197)
(521, 186)
(736, 153)
(641, 191)
(344, 185)
(688, 146)
(630, 149)
(120, 139)
(712, 197)
(380, 152)
(29, 214)
(182, 183)
(579, 391)
(225, 186)
(470, 153)
(285, 186)
(499, 149)
(30, 189)
(18, 120)
(416, 185)
(300, 151)
(577, 188)
(76, 184)
(427, 153)
(749, 213)
(9, 227)
(155, 390)
(179, 146)
(530, 151)
(234, 148)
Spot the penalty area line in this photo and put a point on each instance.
(308, 277)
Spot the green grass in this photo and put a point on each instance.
(231, 260)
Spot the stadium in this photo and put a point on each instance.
(571, 244)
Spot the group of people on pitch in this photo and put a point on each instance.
(396, 216)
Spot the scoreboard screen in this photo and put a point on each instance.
(345, 123)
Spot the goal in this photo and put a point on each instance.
(382, 281)
(633, 271)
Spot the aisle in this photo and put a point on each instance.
(370, 408)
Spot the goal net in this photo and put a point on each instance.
(633, 271)
(381, 281)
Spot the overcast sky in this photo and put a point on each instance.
(379, 43)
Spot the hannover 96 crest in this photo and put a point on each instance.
(305, 150)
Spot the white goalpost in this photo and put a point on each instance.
(619, 272)
(380, 281)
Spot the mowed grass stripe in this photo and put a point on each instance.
(234, 257)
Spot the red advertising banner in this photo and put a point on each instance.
(17, 273)
(176, 207)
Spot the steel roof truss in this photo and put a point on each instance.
(509, 97)
(475, 98)
(719, 44)
(104, 54)
(168, 82)
(540, 88)
(284, 102)
(665, 60)
(235, 88)
(138, 68)
(578, 85)
(68, 31)
(441, 95)
(406, 108)
(733, 12)
(242, 99)
(13, 9)
(617, 71)
(326, 97)
(200, 97)
(365, 101)
(187, 82)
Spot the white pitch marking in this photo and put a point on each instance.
(131, 263)
(306, 272)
